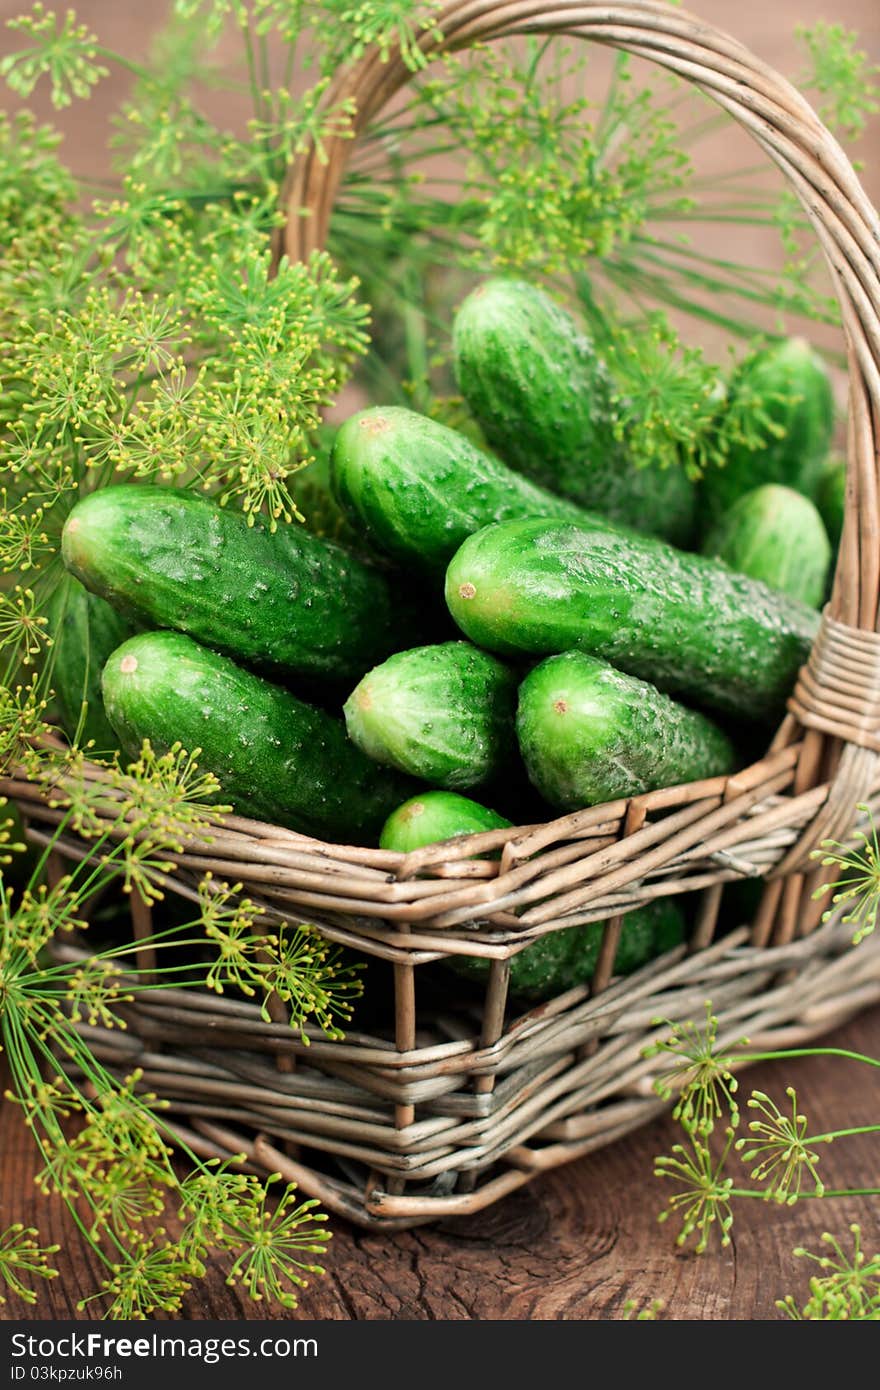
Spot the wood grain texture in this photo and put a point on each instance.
(574, 1244)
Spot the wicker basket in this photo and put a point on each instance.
(453, 1105)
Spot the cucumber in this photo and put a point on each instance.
(419, 488)
(435, 816)
(589, 734)
(687, 624)
(443, 713)
(84, 631)
(283, 601)
(787, 387)
(831, 498)
(310, 490)
(563, 959)
(559, 960)
(276, 758)
(776, 535)
(545, 401)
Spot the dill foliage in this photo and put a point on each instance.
(780, 1154)
(104, 1141)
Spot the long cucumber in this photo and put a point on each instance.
(419, 488)
(283, 600)
(589, 733)
(276, 758)
(689, 625)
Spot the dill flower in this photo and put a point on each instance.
(21, 1258)
(780, 1149)
(273, 1244)
(857, 890)
(702, 1074)
(703, 1201)
(848, 1288)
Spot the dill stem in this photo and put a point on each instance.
(290, 63)
(265, 71)
(840, 1192)
(256, 94)
(841, 1134)
(23, 1066)
(809, 1196)
(142, 73)
(808, 1052)
(748, 1192)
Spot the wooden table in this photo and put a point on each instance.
(575, 1244)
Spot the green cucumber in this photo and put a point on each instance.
(276, 758)
(776, 535)
(443, 713)
(322, 515)
(689, 625)
(560, 960)
(281, 600)
(831, 498)
(419, 488)
(545, 401)
(589, 734)
(555, 962)
(432, 817)
(786, 390)
(84, 631)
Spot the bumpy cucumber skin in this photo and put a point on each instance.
(282, 601)
(805, 416)
(84, 631)
(276, 758)
(311, 492)
(432, 817)
(531, 378)
(776, 535)
(563, 959)
(544, 399)
(419, 488)
(589, 734)
(687, 624)
(443, 713)
(831, 498)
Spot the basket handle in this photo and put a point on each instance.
(766, 104)
(847, 226)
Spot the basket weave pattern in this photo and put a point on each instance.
(451, 1107)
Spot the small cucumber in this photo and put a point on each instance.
(84, 631)
(442, 713)
(419, 488)
(563, 959)
(687, 624)
(555, 962)
(544, 399)
(786, 389)
(281, 600)
(776, 535)
(589, 734)
(276, 758)
(435, 816)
